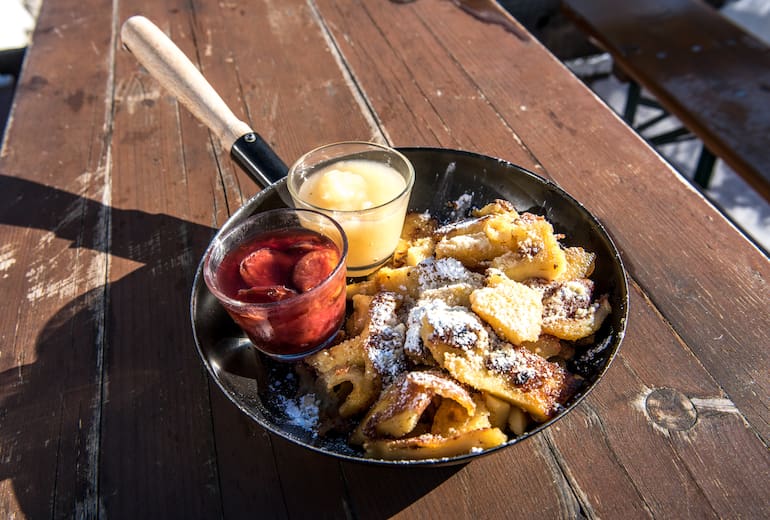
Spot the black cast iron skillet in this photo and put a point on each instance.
(261, 387)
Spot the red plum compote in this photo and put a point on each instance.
(285, 288)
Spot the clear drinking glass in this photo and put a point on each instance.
(363, 186)
(281, 276)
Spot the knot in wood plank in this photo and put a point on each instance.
(671, 409)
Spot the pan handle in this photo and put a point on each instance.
(177, 74)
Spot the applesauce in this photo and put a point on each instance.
(365, 187)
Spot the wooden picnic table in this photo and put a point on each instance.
(110, 192)
(700, 67)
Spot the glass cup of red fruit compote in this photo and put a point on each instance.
(280, 275)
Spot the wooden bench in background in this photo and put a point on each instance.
(702, 68)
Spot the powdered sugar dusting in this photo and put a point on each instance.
(413, 346)
(565, 300)
(302, 411)
(461, 207)
(385, 343)
(456, 326)
(512, 364)
(434, 274)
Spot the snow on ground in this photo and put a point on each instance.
(752, 15)
(17, 20)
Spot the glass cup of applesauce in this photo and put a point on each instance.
(363, 186)
(280, 275)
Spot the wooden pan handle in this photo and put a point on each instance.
(176, 73)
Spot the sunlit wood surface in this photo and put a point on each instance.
(110, 192)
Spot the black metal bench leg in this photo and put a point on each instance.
(632, 102)
(705, 168)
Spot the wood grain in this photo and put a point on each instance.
(105, 409)
(54, 167)
(531, 113)
(679, 249)
(633, 438)
(156, 425)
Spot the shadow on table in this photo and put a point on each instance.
(328, 488)
(112, 412)
(382, 492)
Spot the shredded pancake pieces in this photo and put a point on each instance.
(462, 340)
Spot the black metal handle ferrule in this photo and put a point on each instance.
(258, 160)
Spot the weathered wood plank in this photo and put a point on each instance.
(522, 481)
(225, 75)
(295, 103)
(643, 426)
(702, 67)
(420, 95)
(680, 250)
(530, 111)
(207, 189)
(55, 169)
(248, 72)
(99, 366)
(156, 421)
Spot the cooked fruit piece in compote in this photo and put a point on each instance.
(283, 265)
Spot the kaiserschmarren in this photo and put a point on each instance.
(461, 341)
